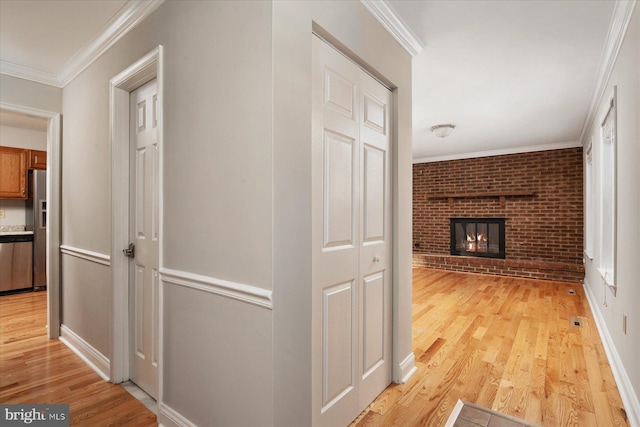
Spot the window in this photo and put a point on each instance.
(608, 194)
(589, 211)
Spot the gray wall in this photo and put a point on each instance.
(237, 120)
(626, 76)
(217, 202)
(26, 93)
(352, 25)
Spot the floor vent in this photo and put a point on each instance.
(576, 321)
(572, 291)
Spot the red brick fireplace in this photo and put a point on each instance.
(539, 195)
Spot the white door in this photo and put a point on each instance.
(351, 238)
(143, 228)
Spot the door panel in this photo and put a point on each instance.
(139, 311)
(143, 282)
(375, 113)
(339, 200)
(374, 194)
(351, 235)
(339, 93)
(338, 345)
(373, 322)
(140, 192)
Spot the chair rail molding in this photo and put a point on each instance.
(86, 255)
(237, 291)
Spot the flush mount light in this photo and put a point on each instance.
(442, 131)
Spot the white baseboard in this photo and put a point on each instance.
(454, 414)
(169, 417)
(92, 357)
(627, 393)
(407, 368)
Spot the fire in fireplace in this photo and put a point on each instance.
(479, 237)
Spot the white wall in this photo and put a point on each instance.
(626, 76)
(21, 138)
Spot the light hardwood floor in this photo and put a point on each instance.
(37, 370)
(503, 343)
(507, 344)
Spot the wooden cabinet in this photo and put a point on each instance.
(37, 159)
(13, 173)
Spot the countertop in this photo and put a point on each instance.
(15, 233)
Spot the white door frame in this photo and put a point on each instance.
(145, 69)
(54, 210)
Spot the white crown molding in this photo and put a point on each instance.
(625, 387)
(238, 291)
(27, 73)
(130, 15)
(622, 12)
(500, 152)
(127, 18)
(96, 257)
(391, 21)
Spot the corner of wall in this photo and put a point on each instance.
(89, 354)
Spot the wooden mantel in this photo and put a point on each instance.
(502, 195)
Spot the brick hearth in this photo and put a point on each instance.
(540, 194)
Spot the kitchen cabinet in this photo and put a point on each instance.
(13, 173)
(37, 159)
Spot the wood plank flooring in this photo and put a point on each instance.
(507, 344)
(37, 370)
(503, 343)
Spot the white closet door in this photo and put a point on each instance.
(351, 238)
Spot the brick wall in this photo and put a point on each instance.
(543, 211)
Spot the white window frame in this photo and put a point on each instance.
(608, 193)
(589, 213)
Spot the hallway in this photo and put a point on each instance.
(37, 370)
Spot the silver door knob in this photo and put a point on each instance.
(376, 258)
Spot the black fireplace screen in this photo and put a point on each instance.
(480, 237)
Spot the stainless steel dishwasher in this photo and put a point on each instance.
(16, 263)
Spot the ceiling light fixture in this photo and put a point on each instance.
(442, 131)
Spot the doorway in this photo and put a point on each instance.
(128, 336)
(53, 210)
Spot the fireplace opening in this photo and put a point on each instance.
(478, 237)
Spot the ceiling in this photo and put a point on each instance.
(511, 75)
(46, 35)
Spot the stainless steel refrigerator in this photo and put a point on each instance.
(36, 221)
